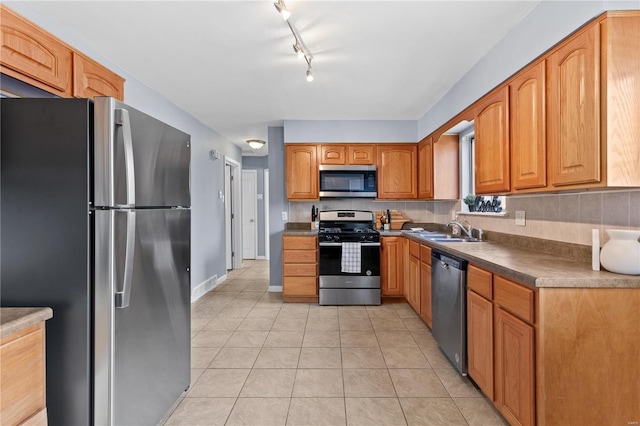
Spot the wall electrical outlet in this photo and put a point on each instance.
(520, 221)
(285, 216)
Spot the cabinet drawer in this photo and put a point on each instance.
(300, 256)
(414, 249)
(425, 254)
(514, 298)
(300, 270)
(300, 286)
(299, 243)
(480, 281)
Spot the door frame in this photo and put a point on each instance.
(266, 213)
(236, 243)
(254, 176)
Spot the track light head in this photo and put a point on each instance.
(298, 50)
(309, 75)
(282, 9)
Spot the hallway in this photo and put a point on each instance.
(257, 361)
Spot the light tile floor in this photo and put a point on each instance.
(257, 361)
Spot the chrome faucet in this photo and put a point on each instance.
(467, 231)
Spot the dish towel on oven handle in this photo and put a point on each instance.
(351, 258)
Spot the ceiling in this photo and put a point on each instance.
(231, 64)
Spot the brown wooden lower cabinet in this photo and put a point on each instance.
(22, 382)
(588, 356)
(514, 368)
(392, 266)
(412, 293)
(425, 293)
(556, 356)
(300, 269)
(480, 342)
(501, 345)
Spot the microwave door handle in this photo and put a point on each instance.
(122, 119)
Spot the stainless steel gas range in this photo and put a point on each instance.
(349, 259)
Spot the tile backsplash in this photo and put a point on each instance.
(560, 217)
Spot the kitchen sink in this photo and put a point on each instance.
(445, 238)
(454, 239)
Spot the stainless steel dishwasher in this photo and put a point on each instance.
(449, 310)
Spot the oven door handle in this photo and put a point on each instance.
(339, 244)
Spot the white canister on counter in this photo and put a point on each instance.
(621, 254)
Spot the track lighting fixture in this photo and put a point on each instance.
(299, 46)
(282, 9)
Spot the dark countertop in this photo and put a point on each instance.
(13, 320)
(533, 268)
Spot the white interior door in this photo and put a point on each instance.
(249, 214)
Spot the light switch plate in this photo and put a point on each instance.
(285, 216)
(520, 221)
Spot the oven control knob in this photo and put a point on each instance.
(328, 237)
(336, 238)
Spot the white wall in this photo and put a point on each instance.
(320, 131)
(547, 24)
(207, 177)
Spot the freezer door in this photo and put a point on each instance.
(138, 160)
(142, 353)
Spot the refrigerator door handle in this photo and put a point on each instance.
(122, 119)
(122, 296)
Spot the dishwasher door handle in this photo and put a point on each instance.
(444, 265)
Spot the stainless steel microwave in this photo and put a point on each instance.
(348, 182)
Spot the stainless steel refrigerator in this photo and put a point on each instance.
(95, 221)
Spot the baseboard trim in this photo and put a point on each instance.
(204, 287)
(221, 280)
(275, 289)
(261, 258)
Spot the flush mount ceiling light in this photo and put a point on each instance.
(299, 46)
(255, 143)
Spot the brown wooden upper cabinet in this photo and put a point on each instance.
(425, 168)
(492, 143)
(301, 164)
(333, 154)
(347, 154)
(592, 125)
(397, 171)
(528, 128)
(574, 109)
(30, 54)
(91, 79)
(438, 168)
